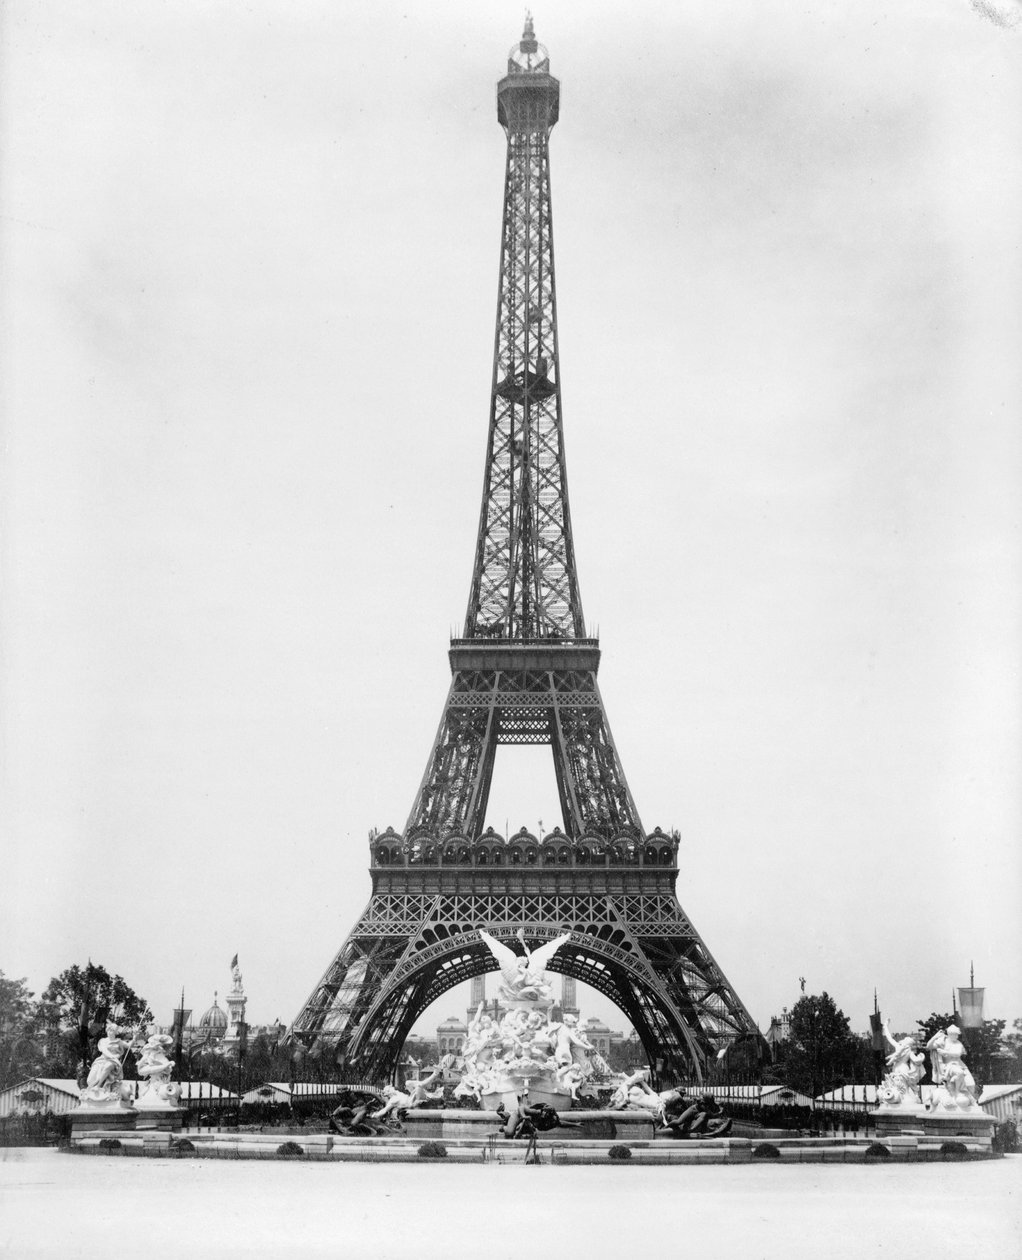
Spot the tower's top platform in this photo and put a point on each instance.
(528, 96)
(528, 56)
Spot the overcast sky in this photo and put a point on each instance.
(249, 264)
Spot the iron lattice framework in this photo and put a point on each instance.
(524, 672)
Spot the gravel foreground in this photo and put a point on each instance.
(56, 1204)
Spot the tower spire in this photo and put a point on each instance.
(524, 672)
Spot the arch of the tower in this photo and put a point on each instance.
(678, 1025)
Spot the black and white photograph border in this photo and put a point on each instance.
(249, 254)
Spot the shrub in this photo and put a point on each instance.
(620, 1152)
(432, 1150)
(182, 1146)
(1005, 1137)
(877, 1150)
(766, 1150)
(290, 1150)
(953, 1150)
(109, 1144)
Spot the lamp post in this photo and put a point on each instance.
(970, 1006)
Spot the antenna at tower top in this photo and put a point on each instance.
(529, 43)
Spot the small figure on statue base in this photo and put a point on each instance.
(634, 1093)
(397, 1102)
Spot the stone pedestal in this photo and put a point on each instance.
(621, 1126)
(162, 1119)
(107, 1119)
(542, 1089)
(917, 1119)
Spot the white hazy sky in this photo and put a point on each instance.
(249, 263)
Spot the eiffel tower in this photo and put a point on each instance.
(524, 672)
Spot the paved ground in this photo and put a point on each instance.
(55, 1204)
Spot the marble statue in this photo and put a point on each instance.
(158, 1091)
(105, 1085)
(527, 1053)
(633, 1092)
(905, 1071)
(571, 1045)
(523, 978)
(421, 1090)
(570, 1078)
(236, 975)
(956, 1088)
(397, 1101)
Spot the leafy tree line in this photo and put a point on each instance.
(822, 1053)
(57, 1036)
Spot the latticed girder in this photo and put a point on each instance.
(524, 673)
(521, 705)
(639, 951)
(524, 581)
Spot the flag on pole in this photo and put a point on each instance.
(177, 1032)
(85, 1012)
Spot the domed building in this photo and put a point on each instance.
(450, 1036)
(212, 1027)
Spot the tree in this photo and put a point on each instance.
(79, 1004)
(1013, 1052)
(821, 1051)
(20, 1051)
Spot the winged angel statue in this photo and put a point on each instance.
(522, 978)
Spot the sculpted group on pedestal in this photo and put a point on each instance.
(158, 1091)
(527, 1051)
(106, 1087)
(955, 1089)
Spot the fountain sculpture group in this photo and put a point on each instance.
(949, 1107)
(527, 1052)
(108, 1100)
(529, 1067)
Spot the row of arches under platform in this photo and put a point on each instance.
(666, 986)
(390, 849)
